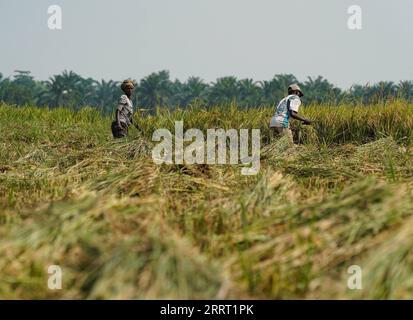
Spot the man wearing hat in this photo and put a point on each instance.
(124, 111)
(286, 109)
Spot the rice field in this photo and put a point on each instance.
(122, 227)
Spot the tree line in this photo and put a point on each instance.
(69, 89)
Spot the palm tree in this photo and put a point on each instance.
(193, 90)
(85, 92)
(21, 90)
(405, 90)
(176, 94)
(249, 93)
(319, 90)
(381, 91)
(106, 94)
(275, 89)
(223, 91)
(62, 90)
(3, 87)
(359, 93)
(155, 90)
(25, 88)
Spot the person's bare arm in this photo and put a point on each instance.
(296, 116)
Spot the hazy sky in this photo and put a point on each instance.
(210, 38)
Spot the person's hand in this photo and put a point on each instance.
(307, 122)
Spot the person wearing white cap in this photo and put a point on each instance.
(286, 109)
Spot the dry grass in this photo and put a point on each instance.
(121, 226)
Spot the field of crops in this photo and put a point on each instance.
(121, 226)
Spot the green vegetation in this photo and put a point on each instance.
(157, 89)
(121, 226)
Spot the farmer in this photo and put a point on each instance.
(288, 107)
(124, 111)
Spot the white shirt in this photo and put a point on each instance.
(281, 118)
(126, 109)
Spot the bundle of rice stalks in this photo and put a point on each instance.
(303, 242)
(375, 150)
(279, 148)
(307, 135)
(381, 157)
(227, 218)
(129, 179)
(106, 248)
(135, 149)
(387, 273)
